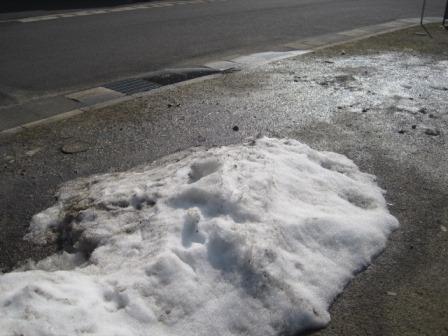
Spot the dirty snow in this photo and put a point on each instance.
(399, 88)
(394, 82)
(253, 239)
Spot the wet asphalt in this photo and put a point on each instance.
(404, 291)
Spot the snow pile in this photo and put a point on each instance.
(253, 239)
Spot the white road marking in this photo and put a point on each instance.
(114, 10)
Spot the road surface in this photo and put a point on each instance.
(44, 58)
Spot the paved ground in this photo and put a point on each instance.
(21, 115)
(44, 58)
(404, 291)
(21, 8)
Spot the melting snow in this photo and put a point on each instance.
(253, 239)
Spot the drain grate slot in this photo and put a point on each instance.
(172, 76)
(133, 85)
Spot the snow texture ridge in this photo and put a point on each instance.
(253, 239)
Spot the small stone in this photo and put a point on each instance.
(391, 293)
(236, 128)
(74, 147)
(443, 228)
(251, 141)
(343, 52)
(339, 107)
(329, 62)
(201, 138)
(345, 79)
(432, 131)
(414, 126)
(402, 131)
(33, 151)
(441, 88)
(423, 110)
(169, 105)
(364, 110)
(419, 292)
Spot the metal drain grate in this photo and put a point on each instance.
(133, 85)
(172, 76)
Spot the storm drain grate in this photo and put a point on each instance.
(157, 79)
(133, 85)
(173, 76)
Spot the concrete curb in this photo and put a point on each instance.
(100, 97)
(72, 113)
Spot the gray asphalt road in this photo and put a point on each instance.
(49, 57)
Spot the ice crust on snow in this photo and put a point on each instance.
(252, 239)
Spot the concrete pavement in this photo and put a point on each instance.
(51, 55)
(404, 291)
(19, 116)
